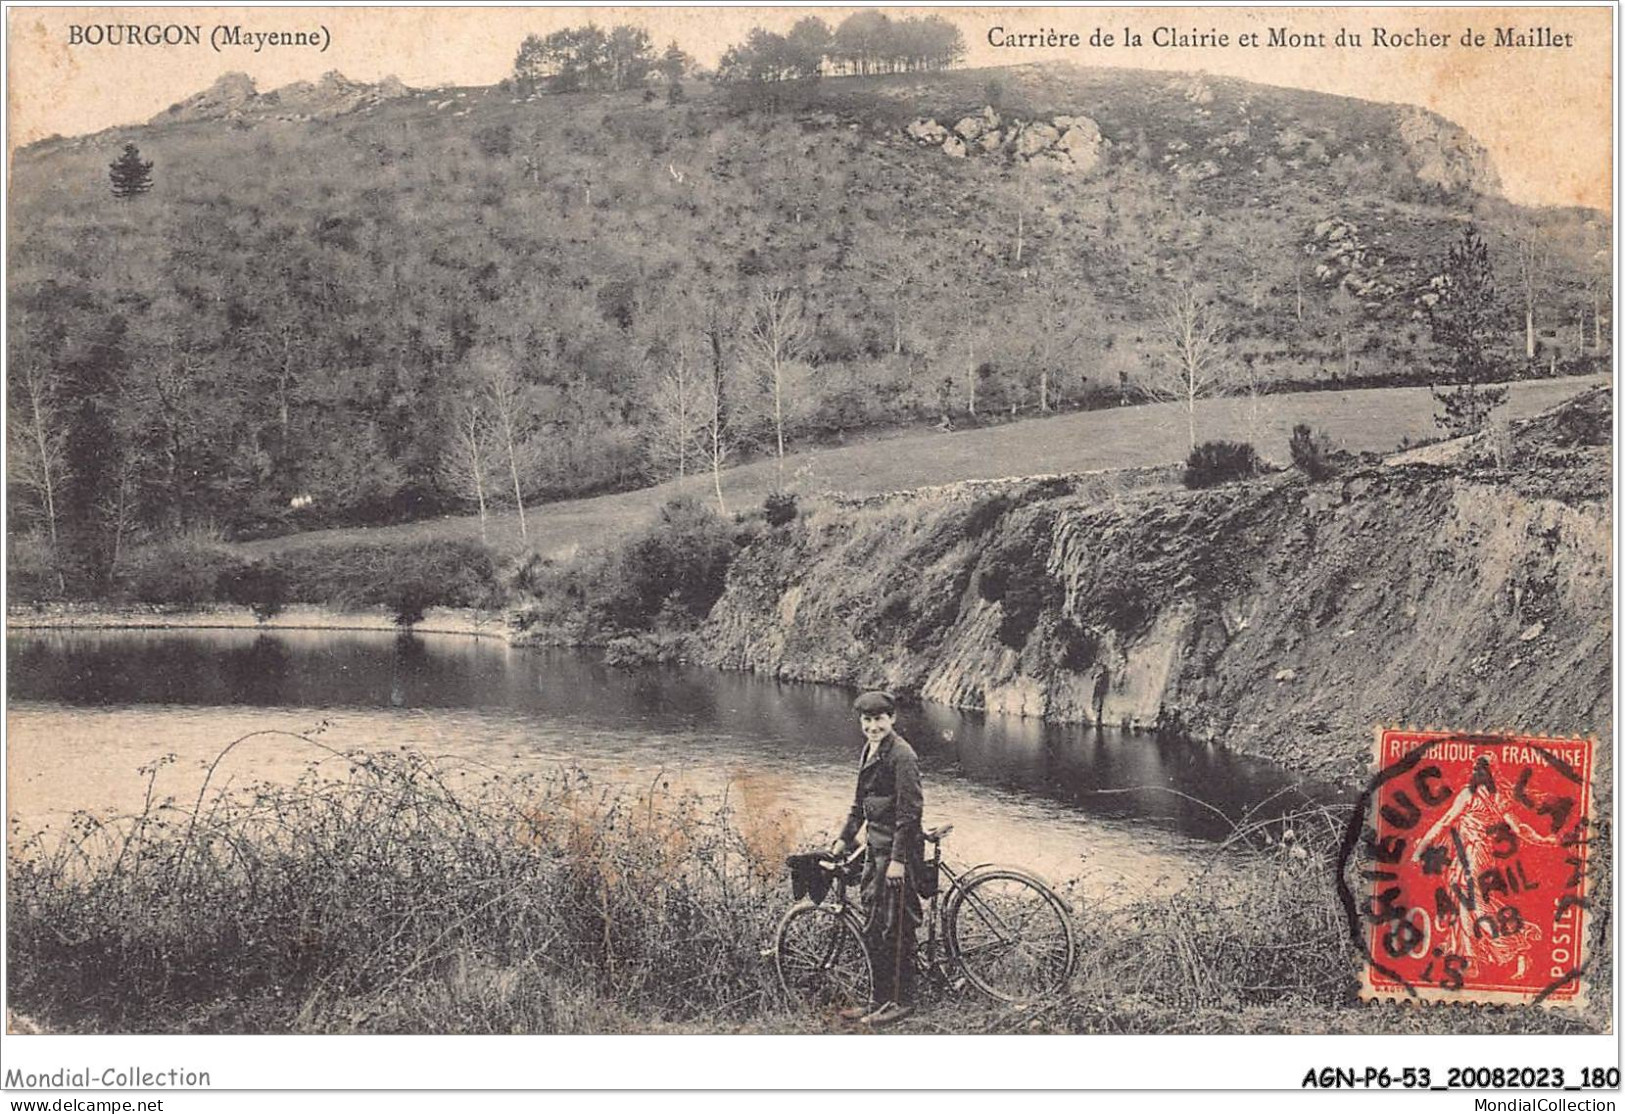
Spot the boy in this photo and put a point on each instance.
(890, 801)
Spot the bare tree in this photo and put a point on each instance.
(777, 335)
(1599, 280)
(678, 401)
(1193, 333)
(466, 464)
(896, 273)
(1346, 312)
(1531, 278)
(511, 413)
(38, 460)
(714, 398)
(281, 345)
(1060, 327)
(117, 510)
(1249, 382)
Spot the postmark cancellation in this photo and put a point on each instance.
(1465, 868)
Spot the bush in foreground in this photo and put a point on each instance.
(385, 893)
(388, 893)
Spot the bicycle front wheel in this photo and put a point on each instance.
(1011, 935)
(821, 959)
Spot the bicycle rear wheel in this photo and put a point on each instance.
(1011, 935)
(821, 959)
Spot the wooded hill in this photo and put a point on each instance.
(325, 287)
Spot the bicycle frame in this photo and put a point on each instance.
(931, 952)
(961, 903)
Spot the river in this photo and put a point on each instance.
(1120, 813)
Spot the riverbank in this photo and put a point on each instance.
(93, 616)
(1280, 616)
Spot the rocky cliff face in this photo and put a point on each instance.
(1281, 618)
(1444, 154)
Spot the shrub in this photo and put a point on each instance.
(1217, 943)
(1583, 423)
(259, 586)
(34, 568)
(410, 601)
(985, 514)
(187, 570)
(1024, 603)
(681, 560)
(1311, 452)
(495, 141)
(1467, 408)
(403, 896)
(1216, 462)
(780, 508)
(1126, 607)
(440, 573)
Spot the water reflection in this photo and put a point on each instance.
(95, 699)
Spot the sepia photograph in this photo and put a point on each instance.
(688, 521)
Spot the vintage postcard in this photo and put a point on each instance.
(694, 522)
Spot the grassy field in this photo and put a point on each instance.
(1373, 420)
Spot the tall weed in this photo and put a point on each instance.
(386, 892)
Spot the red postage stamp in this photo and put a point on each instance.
(1467, 868)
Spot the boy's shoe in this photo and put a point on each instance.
(856, 1013)
(889, 1014)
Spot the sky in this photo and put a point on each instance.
(1544, 112)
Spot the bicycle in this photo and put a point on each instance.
(1008, 933)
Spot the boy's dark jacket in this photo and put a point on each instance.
(890, 800)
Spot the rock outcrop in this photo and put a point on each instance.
(228, 98)
(235, 97)
(1444, 154)
(1068, 143)
(1280, 618)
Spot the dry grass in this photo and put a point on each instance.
(376, 896)
(372, 896)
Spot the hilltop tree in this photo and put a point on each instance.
(672, 66)
(674, 63)
(870, 42)
(131, 177)
(1463, 314)
(931, 43)
(765, 62)
(585, 59)
(811, 39)
(630, 54)
(863, 41)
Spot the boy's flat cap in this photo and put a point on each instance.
(874, 703)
